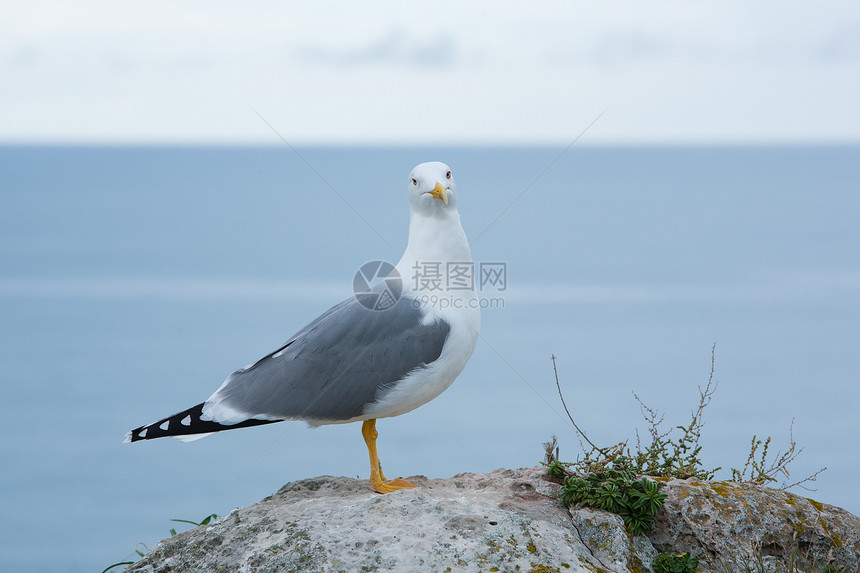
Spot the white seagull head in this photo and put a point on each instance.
(432, 189)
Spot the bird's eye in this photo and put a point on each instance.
(414, 181)
(448, 175)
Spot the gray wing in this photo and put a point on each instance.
(336, 365)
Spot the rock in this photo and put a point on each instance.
(507, 520)
(742, 524)
(607, 540)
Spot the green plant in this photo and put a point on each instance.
(675, 452)
(205, 521)
(761, 471)
(617, 491)
(109, 567)
(556, 469)
(136, 550)
(667, 562)
(671, 453)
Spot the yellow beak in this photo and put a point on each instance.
(440, 193)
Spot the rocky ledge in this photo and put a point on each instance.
(509, 520)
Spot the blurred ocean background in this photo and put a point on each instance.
(133, 280)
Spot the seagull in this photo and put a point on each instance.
(384, 352)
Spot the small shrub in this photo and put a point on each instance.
(675, 452)
(617, 491)
(763, 470)
(675, 563)
(672, 453)
(556, 469)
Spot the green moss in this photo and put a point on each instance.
(817, 505)
(531, 547)
(723, 489)
(590, 566)
(837, 541)
(540, 568)
(834, 537)
(635, 564)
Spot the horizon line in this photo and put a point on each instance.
(461, 144)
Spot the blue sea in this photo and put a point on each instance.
(133, 280)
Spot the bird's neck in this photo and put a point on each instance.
(435, 243)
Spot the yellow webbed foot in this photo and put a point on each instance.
(380, 486)
(378, 482)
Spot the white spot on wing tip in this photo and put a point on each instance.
(142, 433)
(164, 425)
(186, 421)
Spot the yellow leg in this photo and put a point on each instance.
(377, 479)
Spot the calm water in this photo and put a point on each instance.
(133, 280)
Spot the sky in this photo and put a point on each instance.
(444, 72)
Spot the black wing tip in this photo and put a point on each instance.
(180, 424)
(187, 422)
